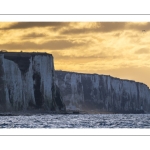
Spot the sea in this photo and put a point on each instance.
(54, 121)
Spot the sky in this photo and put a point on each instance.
(119, 49)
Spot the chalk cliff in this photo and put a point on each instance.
(27, 82)
(102, 93)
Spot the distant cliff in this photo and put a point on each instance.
(27, 82)
(102, 93)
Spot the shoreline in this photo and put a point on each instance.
(43, 112)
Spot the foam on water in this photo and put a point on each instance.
(77, 121)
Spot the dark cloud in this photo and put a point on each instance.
(50, 45)
(33, 35)
(140, 27)
(109, 27)
(25, 25)
(99, 27)
(76, 31)
(142, 51)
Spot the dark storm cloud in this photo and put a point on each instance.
(51, 45)
(99, 27)
(142, 51)
(25, 25)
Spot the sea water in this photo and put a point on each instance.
(77, 121)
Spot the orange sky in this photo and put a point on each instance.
(119, 49)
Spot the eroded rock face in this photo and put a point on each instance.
(102, 93)
(27, 82)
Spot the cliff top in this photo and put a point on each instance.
(89, 74)
(25, 54)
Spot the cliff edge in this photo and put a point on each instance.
(27, 82)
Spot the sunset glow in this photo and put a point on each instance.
(119, 49)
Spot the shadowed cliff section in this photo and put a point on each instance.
(27, 82)
(2, 87)
(22, 59)
(102, 93)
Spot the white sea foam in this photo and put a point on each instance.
(77, 121)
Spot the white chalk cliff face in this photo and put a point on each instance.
(27, 82)
(103, 93)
